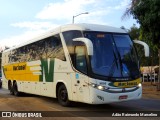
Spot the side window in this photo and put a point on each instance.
(50, 47)
(41, 49)
(68, 37)
(32, 52)
(54, 48)
(13, 56)
(17, 55)
(81, 63)
(21, 56)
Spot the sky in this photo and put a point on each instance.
(22, 20)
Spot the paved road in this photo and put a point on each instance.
(29, 102)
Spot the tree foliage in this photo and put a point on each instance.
(136, 33)
(147, 14)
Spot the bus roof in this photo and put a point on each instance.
(81, 26)
(92, 27)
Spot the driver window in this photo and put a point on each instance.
(81, 64)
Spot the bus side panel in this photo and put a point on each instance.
(4, 62)
(47, 89)
(62, 74)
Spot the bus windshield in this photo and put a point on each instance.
(113, 55)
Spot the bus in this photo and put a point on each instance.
(88, 63)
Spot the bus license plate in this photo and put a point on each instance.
(123, 97)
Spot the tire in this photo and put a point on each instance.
(63, 96)
(0, 84)
(15, 89)
(10, 87)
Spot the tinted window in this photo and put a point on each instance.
(81, 64)
(50, 47)
(69, 36)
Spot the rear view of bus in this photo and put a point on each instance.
(108, 57)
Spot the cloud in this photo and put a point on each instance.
(123, 5)
(64, 10)
(35, 25)
(19, 39)
(98, 10)
(33, 29)
(61, 12)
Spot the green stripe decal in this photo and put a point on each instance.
(47, 68)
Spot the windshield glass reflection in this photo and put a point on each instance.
(114, 55)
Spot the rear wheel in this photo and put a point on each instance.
(15, 89)
(10, 87)
(63, 96)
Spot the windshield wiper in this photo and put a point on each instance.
(111, 71)
(120, 61)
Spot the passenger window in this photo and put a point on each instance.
(50, 47)
(81, 63)
(54, 48)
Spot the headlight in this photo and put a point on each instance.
(139, 85)
(99, 87)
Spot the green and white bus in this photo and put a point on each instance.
(86, 63)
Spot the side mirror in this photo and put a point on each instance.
(88, 44)
(146, 47)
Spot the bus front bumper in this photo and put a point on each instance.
(103, 97)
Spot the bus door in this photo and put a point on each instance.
(81, 78)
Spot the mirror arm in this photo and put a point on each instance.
(146, 47)
(88, 44)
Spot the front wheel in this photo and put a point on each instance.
(63, 96)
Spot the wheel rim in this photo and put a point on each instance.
(63, 95)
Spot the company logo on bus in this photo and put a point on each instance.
(126, 84)
(121, 84)
(40, 70)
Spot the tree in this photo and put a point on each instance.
(134, 32)
(147, 14)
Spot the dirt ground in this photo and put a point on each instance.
(150, 91)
